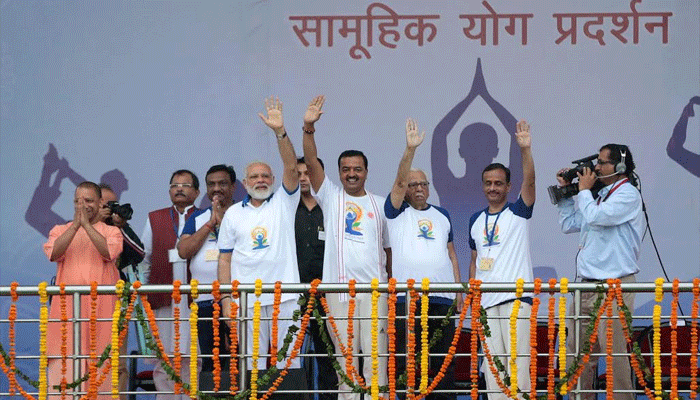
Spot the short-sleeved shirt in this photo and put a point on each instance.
(261, 241)
(356, 235)
(419, 241)
(203, 265)
(505, 239)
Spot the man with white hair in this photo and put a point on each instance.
(256, 241)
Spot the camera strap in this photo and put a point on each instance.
(614, 188)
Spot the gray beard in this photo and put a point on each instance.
(259, 194)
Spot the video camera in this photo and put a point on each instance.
(122, 210)
(556, 193)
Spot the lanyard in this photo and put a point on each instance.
(176, 221)
(492, 234)
(614, 188)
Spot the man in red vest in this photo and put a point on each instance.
(162, 230)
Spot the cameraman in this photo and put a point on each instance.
(131, 256)
(133, 253)
(611, 227)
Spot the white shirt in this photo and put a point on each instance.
(611, 231)
(419, 241)
(203, 265)
(261, 242)
(356, 235)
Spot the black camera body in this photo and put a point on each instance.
(556, 193)
(124, 211)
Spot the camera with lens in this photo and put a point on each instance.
(124, 211)
(556, 193)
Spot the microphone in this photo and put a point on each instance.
(608, 176)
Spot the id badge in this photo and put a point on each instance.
(211, 255)
(486, 264)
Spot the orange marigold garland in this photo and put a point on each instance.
(674, 341)
(92, 390)
(275, 321)
(349, 366)
(233, 336)
(194, 334)
(563, 289)
(656, 342)
(12, 317)
(474, 287)
(43, 323)
(64, 339)
(154, 330)
(375, 339)
(533, 337)
(694, 339)
(411, 342)
(424, 361)
(551, 327)
(216, 312)
(391, 332)
(609, 375)
(177, 356)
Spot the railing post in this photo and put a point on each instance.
(76, 344)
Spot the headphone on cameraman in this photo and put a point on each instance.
(621, 167)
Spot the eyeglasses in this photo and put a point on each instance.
(181, 185)
(413, 185)
(601, 162)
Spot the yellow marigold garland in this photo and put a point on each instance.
(64, 340)
(43, 324)
(375, 339)
(564, 289)
(411, 342)
(424, 365)
(533, 337)
(119, 288)
(514, 335)
(659, 296)
(256, 341)
(694, 339)
(194, 334)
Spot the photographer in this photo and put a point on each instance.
(112, 213)
(611, 226)
(115, 214)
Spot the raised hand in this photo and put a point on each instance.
(522, 134)
(413, 138)
(274, 119)
(313, 112)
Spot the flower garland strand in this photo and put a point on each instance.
(563, 289)
(533, 337)
(275, 320)
(411, 342)
(694, 339)
(375, 339)
(514, 335)
(119, 289)
(391, 332)
(474, 288)
(551, 327)
(233, 336)
(674, 341)
(194, 335)
(216, 313)
(256, 341)
(177, 356)
(659, 296)
(64, 339)
(11, 336)
(424, 365)
(609, 374)
(43, 324)
(349, 365)
(92, 388)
